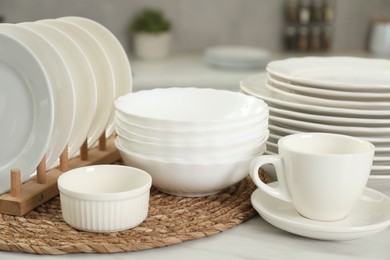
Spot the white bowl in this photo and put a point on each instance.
(225, 137)
(104, 198)
(194, 134)
(189, 179)
(195, 152)
(190, 107)
(205, 157)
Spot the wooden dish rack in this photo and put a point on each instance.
(25, 197)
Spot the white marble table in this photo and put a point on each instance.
(254, 239)
(189, 70)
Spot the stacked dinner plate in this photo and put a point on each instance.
(237, 57)
(193, 141)
(59, 80)
(345, 95)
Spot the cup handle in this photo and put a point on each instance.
(280, 191)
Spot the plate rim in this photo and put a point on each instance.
(32, 153)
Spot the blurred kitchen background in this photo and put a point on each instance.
(199, 24)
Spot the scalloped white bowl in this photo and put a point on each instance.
(197, 134)
(189, 108)
(189, 179)
(170, 138)
(196, 152)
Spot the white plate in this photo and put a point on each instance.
(383, 132)
(333, 120)
(240, 54)
(255, 85)
(341, 73)
(380, 149)
(358, 105)
(283, 130)
(329, 93)
(62, 87)
(117, 57)
(380, 146)
(379, 160)
(381, 169)
(102, 70)
(83, 79)
(272, 147)
(235, 65)
(380, 183)
(369, 216)
(26, 110)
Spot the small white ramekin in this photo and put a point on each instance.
(104, 198)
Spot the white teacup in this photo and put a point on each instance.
(322, 174)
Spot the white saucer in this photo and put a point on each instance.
(369, 216)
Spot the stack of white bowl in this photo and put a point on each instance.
(193, 141)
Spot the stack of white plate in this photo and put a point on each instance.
(193, 141)
(237, 57)
(343, 95)
(60, 78)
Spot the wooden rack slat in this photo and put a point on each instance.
(33, 194)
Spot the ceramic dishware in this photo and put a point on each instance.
(201, 138)
(62, 87)
(104, 198)
(369, 216)
(379, 43)
(337, 73)
(193, 141)
(26, 110)
(196, 154)
(237, 57)
(123, 78)
(190, 179)
(101, 68)
(82, 76)
(189, 108)
(185, 133)
(322, 174)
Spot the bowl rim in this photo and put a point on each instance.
(259, 108)
(188, 163)
(257, 134)
(189, 128)
(97, 196)
(194, 139)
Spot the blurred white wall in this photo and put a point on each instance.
(200, 23)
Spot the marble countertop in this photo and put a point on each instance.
(254, 239)
(188, 70)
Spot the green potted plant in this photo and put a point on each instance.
(151, 34)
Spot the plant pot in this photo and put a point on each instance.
(152, 45)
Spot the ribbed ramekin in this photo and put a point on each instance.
(104, 198)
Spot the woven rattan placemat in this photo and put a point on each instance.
(171, 220)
